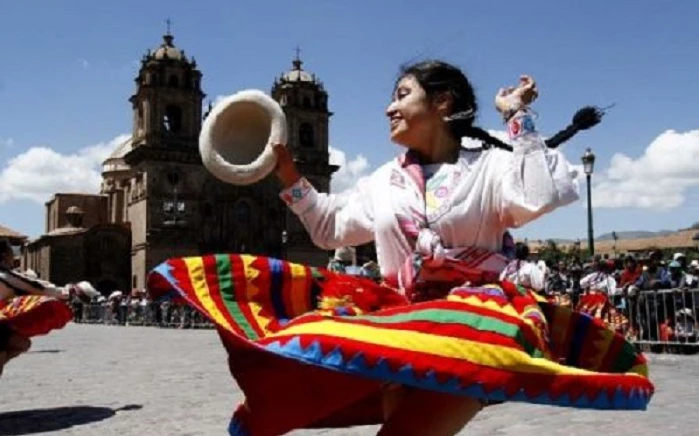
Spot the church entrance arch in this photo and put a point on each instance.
(229, 220)
(106, 286)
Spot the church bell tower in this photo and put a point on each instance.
(163, 157)
(167, 105)
(304, 100)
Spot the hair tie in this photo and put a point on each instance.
(463, 115)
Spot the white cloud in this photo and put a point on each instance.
(85, 64)
(351, 171)
(658, 179)
(39, 172)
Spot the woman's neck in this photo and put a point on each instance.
(442, 147)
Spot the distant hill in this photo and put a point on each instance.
(684, 240)
(638, 234)
(628, 235)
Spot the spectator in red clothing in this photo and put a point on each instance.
(666, 332)
(632, 271)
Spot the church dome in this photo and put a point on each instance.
(74, 215)
(297, 75)
(115, 161)
(168, 51)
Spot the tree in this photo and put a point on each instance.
(550, 253)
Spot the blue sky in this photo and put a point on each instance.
(68, 70)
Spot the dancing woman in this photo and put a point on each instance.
(522, 272)
(442, 336)
(30, 307)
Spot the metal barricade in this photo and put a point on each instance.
(657, 321)
(665, 320)
(165, 315)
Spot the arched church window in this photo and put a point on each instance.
(173, 81)
(306, 135)
(306, 102)
(140, 121)
(172, 121)
(208, 210)
(173, 178)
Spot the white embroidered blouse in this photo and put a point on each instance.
(485, 193)
(522, 272)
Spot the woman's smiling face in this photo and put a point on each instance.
(412, 116)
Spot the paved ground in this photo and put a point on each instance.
(146, 381)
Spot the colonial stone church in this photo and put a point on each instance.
(158, 201)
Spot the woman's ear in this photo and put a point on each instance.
(443, 103)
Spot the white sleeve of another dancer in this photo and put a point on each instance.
(536, 277)
(588, 280)
(22, 285)
(535, 179)
(333, 220)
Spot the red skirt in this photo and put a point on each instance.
(34, 315)
(312, 348)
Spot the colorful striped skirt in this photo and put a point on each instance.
(312, 348)
(33, 315)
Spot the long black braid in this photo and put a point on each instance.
(437, 77)
(584, 119)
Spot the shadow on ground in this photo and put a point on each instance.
(26, 422)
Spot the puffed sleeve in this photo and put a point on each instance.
(333, 220)
(15, 284)
(534, 179)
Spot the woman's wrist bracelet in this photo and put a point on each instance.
(521, 123)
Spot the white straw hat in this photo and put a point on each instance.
(237, 136)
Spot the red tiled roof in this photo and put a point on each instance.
(11, 234)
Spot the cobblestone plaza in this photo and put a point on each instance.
(99, 380)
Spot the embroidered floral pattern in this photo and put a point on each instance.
(520, 125)
(296, 192)
(432, 270)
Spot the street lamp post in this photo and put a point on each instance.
(577, 249)
(588, 161)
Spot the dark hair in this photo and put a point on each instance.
(438, 77)
(521, 251)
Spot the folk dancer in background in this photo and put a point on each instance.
(30, 307)
(521, 271)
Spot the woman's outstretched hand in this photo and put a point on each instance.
(514, 98)
(286, 169)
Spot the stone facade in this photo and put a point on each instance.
(156, 188)
(93, 207)
(99, 255)
(80, 244)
